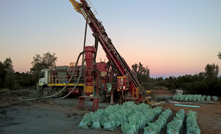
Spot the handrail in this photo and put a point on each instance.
(95, 11)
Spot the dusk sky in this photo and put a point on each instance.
(171, 37)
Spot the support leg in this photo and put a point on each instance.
(112, 99)
(95, 104)
(81, 103)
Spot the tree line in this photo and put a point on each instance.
(207, 82)
(16, 80)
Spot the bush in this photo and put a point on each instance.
(10, 79)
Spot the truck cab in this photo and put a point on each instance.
(43, 78)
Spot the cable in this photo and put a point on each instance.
(76, 82)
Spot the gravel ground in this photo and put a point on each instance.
(53, 117)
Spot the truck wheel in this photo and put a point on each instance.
(46, 91)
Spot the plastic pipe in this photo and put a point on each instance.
(187, 105)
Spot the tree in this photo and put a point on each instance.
(10, 79)
(134, 67)
(8, 64)
(211, 71)
(201, 76)
(159, 79)
(219, 55)
(25, 79)
(3, 73)
(44, 62)
(142, 73)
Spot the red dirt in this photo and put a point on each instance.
(208, 115)
(163, 92)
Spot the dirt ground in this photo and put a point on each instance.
(163, 92)
(55, 116)
(208, 115)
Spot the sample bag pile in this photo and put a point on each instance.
(138, 119)
(196, 97)
(215, 98)
(191, 123)
(159, 124)
(176, 124)
(208, 98)
(131, 117)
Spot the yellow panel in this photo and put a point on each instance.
(72, 64)
(135, 92)
(76, 5)
(121, 76)
(71, 84)
(89, 89)
(148, 92)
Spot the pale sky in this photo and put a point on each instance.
(171, 37)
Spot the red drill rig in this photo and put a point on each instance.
(127, 84)
(114, 78)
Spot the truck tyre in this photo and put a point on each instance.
(46, 91)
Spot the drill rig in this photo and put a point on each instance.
(127, 84)
(114, 78)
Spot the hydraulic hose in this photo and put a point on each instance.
(77, 80)
(69, 79)
(82, 63)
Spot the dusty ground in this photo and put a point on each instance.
(208, 115)
(62, 116)
(51, 117)
(163, 92)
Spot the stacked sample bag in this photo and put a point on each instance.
(131, 117)
(159, 124)
(196, 97)
(191, 123)
(215, 98)
(176, 124)
(139, 116)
